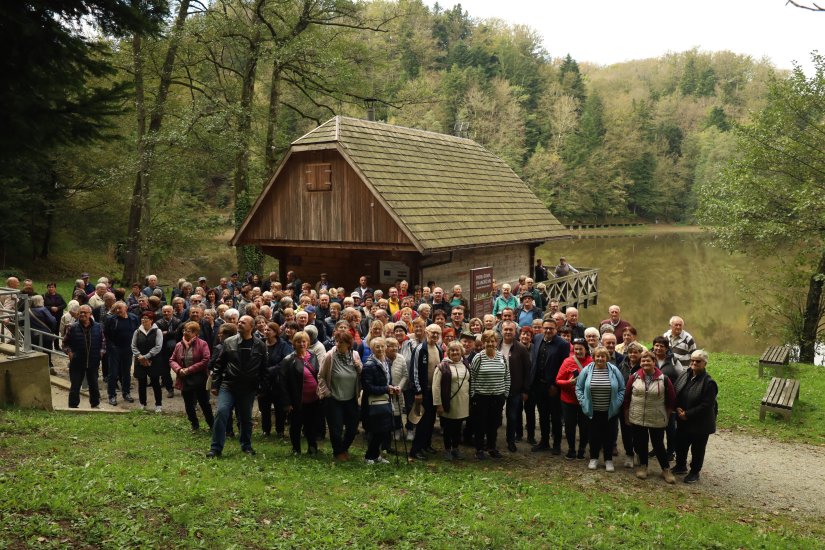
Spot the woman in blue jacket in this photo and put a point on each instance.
(600, 390)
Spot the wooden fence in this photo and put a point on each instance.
(577, 289)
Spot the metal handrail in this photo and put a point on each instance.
(22, 331)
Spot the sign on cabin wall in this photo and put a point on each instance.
(391, 271)
(481, 291)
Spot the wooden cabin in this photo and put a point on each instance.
(356, 197)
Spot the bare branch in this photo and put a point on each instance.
(812, 7)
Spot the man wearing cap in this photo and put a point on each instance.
(88, 287)
(312, 319)
(527, 311)
(564, 269)
(203, 285)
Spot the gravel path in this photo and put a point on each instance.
(756, 471)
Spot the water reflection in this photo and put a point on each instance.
(654, 277)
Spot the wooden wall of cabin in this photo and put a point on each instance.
(346, 213)
(508, 263)
(344, 266)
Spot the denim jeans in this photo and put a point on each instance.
(227, 400)
(120, 369)
(342, 417)
(513, 411)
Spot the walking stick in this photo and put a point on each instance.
(403, 430)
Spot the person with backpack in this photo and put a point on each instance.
(451, 397)
(696, 410)
(649, 399)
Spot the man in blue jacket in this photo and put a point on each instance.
(85, 345)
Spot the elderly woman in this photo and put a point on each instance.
(399, 374)
(525, 336)
(571, 410)
(488, 392)
(339, 386)
(629, 334)
(600, 390)
(696, 409)
(649, 400)
(630, 364)
(505, 300)
(189, 361)
(451, 397)
(147, 344)
(299, 387)
(376, 380)
(68, 318)
(664, 361)
(592, 335)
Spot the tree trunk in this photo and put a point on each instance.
(812, 314)
(248, 256)
(138, 214)
(270, 154)
(48, 230)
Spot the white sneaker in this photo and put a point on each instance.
(410, 435)
(158, 409)
(636, 461)
(628, 462)
(381, 460)
(593, 464)
(142, 407)
(608, 465)
(369, 462)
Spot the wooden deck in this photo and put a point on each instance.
(578, 289)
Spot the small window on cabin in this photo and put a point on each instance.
(317, 176)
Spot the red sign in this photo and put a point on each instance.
(481, 291)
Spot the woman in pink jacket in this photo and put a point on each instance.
(190, 361)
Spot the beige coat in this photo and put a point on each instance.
(459, 392)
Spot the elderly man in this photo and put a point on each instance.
(363, 287)
(237, 377)
(393, 302)
(527, 312)
(457, 320)
(151, 285)
(530, 288)
(681, 343)
(571, 315)
(119, 329)
(518, 359)
(458, 298)
(96, 299)
(85, 345)
(425, 359)
(438, 301)
(564, 269)
(540, 271)
(615, 320)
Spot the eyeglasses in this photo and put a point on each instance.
(697, 360)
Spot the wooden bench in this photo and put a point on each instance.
(780, 397)
(775, 357)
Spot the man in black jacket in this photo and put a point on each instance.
(236, 380)
(548, 352)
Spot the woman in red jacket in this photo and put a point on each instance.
(570, 408)
(189, 361)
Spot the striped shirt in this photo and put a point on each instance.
(681, 346)
(600, 389)
(489, 376)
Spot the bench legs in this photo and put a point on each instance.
(786, 413)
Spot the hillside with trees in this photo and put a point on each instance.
(181, 119)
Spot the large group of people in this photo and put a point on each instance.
(322, 360)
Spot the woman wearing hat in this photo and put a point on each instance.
(147, 343)
(695, 415)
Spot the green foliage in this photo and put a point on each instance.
(141, 480)
(771, 198)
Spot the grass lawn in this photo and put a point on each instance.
(141, 480)
(741, 391)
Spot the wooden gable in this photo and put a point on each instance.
(317, 197)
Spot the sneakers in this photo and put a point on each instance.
(142, 407)
(667, 476)
(381, 460)
(692, 477)
(608, 465)
(213, 454)
(593, 464)
(418, 455)
(571, 455)
(113, 401)
(628, 462)
(641, 472)
(369, 462)
(128, 398)
(580, 455)
(679, 470)
(249, 451)
(410, 435)
(158, 409)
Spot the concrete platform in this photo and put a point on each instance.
(24, 379)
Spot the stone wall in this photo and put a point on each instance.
(508, 263)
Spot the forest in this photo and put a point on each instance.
(148, 136)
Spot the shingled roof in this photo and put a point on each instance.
(449, 192)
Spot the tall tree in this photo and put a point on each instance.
(772, 199)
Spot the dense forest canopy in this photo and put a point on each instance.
(214, 100)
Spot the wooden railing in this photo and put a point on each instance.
(577, 289)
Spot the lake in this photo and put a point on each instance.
(655, 276)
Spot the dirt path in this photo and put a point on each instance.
(758, 472)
